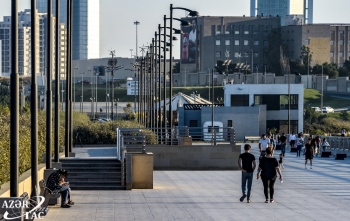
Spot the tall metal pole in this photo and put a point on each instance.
(136, 23)
(112, 53)
(97, 74)
(308, 61)
(57, 83)
(139, 92)
(14, 146)
(68, 60)
(69, 74)
(164, 82)
(155, 104)
(49, 90)
(34, 101)
(322, 90)
(171, 74)
(288, 102)
(212, 107)
(159, 89)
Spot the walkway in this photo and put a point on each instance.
(322, 193)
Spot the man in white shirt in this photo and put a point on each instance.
(292, 139)
(263, 143)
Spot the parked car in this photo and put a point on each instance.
(84, 82)
(106, 119)
(317, 109)
(327, 110)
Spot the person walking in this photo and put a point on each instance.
(281, 160)
(272, 141)
(263, 144)
(309, 152)
(325, 144)
(292, 139)
(318, 144)
(300, 143)
(283, 140)
(246, 162)
(267, 167)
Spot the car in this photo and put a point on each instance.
(106, 119)
(84, 82)
(317, 109)
(327, 110)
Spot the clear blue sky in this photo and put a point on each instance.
(119, 32)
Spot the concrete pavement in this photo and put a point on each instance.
(322, 193)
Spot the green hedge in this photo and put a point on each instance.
(24, 141)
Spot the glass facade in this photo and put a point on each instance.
(41, 5)
(86, 26)
(281, 8)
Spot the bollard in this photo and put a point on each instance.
(143, 143)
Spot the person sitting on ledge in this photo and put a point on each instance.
(56, 182)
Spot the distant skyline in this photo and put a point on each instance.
(118, 32)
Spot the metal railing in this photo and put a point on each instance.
(130, 140)
(337, 144)
(206, 134)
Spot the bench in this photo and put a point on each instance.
(326, 153)
(41, 211)
(251, 139)
(47, 193)
(340, 156)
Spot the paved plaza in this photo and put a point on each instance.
(321, 193)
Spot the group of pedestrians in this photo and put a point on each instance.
(268, 165)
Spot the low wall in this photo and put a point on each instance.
(24, 182)
(201, 157)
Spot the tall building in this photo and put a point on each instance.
(41, 5)
(24, 46)
(282, 8)
(86, 26)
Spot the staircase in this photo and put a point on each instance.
(93, 173)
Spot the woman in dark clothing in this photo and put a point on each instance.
(268, 166)
(309, 152)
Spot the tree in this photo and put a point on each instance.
(306, 57)
(311, 115)
(296, 66)
(129, 113)
(284, 61)
(344, 115)
(273, 51)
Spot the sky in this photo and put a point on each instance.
(118, 32)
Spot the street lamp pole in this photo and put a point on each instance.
(74, 85)
(322, 90)
(82, 92)
(34, 103)
(159, 90)
(112, 52)
(164, 82)
(171, 74)
(136, 23)
(308, 61)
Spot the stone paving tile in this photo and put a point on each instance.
(322, 193)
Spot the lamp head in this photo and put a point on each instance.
(193, 14)
(178, 31)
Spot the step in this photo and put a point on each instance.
(89, 160)
(91, 169)
(90, 165)
(83, 179)
(93, 183)
(100, 188)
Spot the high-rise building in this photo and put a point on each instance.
(283, 8)
(24, 46)
(86, 26)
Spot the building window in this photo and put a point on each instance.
(341, 54)
(227, 42)
(218, 54)
(307, 41)
(341, 42)
(292, 42)
(227, 32)
(246, 32)
(237, 55)
(266, 43)
(229, 123)
(256, 42)
(331, 54)
(256, 54)
(218, 32)
(193, 123)
(292, 53)
(217, 42)
(331, 42)
(293, 102)
(283, 126)
(246, 54)
(236, 42)
(239, 100)
(236, 32)
(256, 32)
(348, 54)
(246, 42)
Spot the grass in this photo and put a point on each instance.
(312, 98)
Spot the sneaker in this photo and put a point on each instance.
(242, 198)
(310, 167)
(249, 201)
(65, 206)
(305, 167)
(267, 201)
(271, 201)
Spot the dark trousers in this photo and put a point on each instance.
(283, 148)
(269, 184)
(65, 195)
(299, 150)
(247, 179)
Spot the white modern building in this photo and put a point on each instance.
(275, 97)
